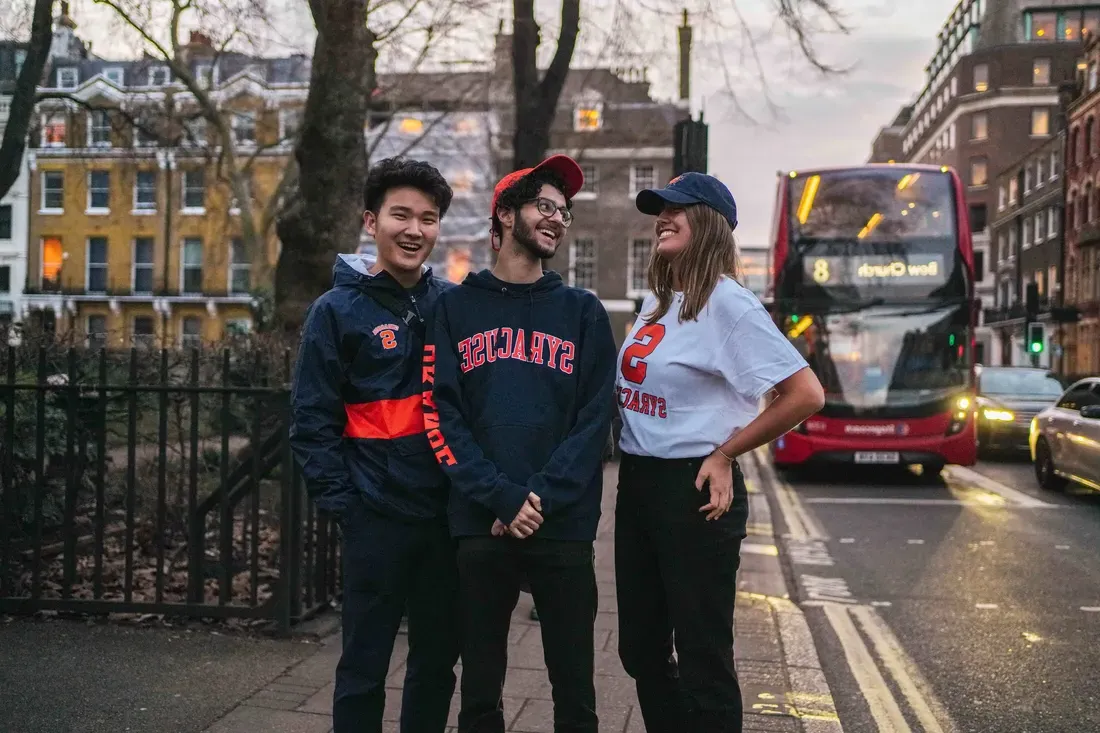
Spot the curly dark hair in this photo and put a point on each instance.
(391, 173)
(527, 189)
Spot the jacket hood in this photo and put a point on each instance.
(353, 270)
(486, 280)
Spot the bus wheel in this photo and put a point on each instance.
(1044, 469)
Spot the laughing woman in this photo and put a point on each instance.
(691, 376)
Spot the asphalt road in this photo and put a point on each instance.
(969, 602)
(72, 677)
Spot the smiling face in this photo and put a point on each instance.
(405, 228)
(539, 235)
(673, 232)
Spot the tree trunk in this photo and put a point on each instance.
(323, 216)
(537, 100)
(22, 104)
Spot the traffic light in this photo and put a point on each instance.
(1035, 339)
(1031, 302)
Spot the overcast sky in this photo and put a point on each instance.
(815, 121)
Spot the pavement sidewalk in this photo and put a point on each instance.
(784, 688)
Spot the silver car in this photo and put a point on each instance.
(1065, 438)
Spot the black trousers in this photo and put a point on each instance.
(562, 577)
(676, 581)
(388, 566)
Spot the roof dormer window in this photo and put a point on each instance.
(159, 76)
(67, 77)
(588, 112)
(114, 75)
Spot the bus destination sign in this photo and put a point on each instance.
(875, 270)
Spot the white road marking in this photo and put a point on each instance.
(964, 475)
(916, 542)
(826, 590)
(1091, 609)
(1061, 547)
(755, 548)
(986, 543)
(881, 604)
(986, 606)
(989, 501)
(884, 708)
(800, 525)
(847, 540)
(918, 693)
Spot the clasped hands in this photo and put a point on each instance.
(525, 523)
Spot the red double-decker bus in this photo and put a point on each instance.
(873, 282)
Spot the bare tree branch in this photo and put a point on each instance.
(22, 103)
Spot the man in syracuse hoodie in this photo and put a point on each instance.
(358, 434)
(518, 404)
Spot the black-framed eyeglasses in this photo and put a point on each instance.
(547, 208)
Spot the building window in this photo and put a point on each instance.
(99, 128)
(1040, 72)
(240, 268)
(981, 77)
(5, 221)
(1012, 242)
(978, 217)
(1002, 247)
(194, 190)
(159, 76)
(979, 126)
(143, 332)
(244, 128)
(1055, 164)
(1040, 178)
(290, 124)
(1040, 282)
(1040, 226)
(5, 279)
(582, 264)
(99, 191)
(1052, 222)
(95, 278)
(191, 271)
(191, 333)
(1002, 198)
(1013, 191)
(114, 75)
(204, 75)
(53, 190)
(145, 191)
(1040, 121)
(96, 331)
(1027, 178)
(54, 130)
(1052, 279)
(1044, 26)
(52, 257)
(195, 131)
(979, 171)
(588, 117)
(979, 265)
(591, 179)
(638, 266)
(1092, 77)
(642, 177)
(142, 277)
(1087, 195)
(67, 77)
(1027, 232)
(1088, 138)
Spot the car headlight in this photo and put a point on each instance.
(963, 403)
(994, 415)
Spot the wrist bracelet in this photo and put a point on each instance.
(721, 453)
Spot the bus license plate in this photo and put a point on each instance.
(877, 457)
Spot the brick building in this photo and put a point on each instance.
(990, 97)
(1082, 257)
(135, 235)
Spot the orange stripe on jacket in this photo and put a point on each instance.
(385, 419)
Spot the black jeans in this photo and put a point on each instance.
(676, 579)
(390, 565)
(563, 584)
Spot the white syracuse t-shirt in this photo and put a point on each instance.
(684, 388)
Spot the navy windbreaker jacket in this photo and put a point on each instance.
(358, 426)
(519, 387)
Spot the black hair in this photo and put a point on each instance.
(527, 189)
(391, 173)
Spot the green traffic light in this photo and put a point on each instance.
(1036, 347)
(951, 340)
(794, 319)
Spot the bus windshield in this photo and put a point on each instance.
(885, 356)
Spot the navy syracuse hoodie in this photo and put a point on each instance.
(358, 420)
(519, 384)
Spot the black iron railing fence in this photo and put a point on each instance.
(157, 482)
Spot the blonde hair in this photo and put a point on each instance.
(711, 253)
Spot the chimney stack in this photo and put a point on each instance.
(685, 60)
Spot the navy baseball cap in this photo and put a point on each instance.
(690, 188)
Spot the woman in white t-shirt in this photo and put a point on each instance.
(691, 375)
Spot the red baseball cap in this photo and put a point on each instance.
(563, 165)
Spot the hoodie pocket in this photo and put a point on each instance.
(410, 460)
(518, 450)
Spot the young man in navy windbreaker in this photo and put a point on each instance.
(359, 437)
(518, 405)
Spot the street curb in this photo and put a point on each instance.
(812, 696)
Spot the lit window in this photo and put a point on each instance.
(1044, 26)
(1040, 121)
(582, 264)
(53, 130)
(981, 78)
(96, 273)
(979, 126)
(588, 118)
(979, 172)
(51, 263)
(411, 126)
(1040, 72)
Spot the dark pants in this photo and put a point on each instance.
(676, 579)
(388, 566)
(563, 585)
